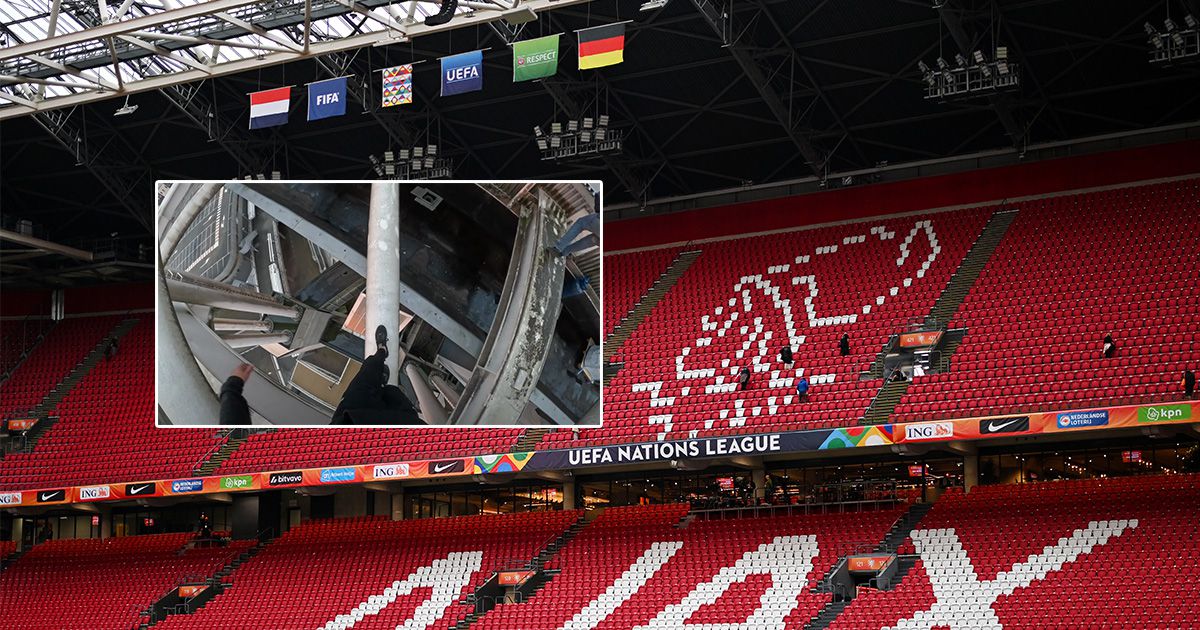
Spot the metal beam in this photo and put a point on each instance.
(952, 18)
(112, 29)
(715, 17)
(315, 49)
(510, 364)
(46, 246)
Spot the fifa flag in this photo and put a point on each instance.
(601, 46)
(462, 73)
(327, 99)
(397, 85)
(535, 58)
(269, 108)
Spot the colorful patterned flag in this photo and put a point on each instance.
(327, 99)
(535, 58)
(269, 108)
(462, 73)
(397, 85)
(601, 46)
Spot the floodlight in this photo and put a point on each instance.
(977, 56)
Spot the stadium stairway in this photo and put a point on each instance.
(60, 391)
(940, 313)
(895, 536)
(529, 439)
(647, 302)
(217, 584)
(218, 456)
(541, 575)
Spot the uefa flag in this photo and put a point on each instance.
(397, 85)
(327, 99)
(535, 58)
(269, 108)
(462, 73)
(601, 46)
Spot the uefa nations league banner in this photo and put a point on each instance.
(698, 448)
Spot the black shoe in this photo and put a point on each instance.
(381, 336)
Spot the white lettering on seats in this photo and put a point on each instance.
(787, 559)
(624, 587)
(447, 576)
(756, 338)
(963, 601)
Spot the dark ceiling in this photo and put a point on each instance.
(843, 75)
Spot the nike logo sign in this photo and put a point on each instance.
(138, 489)
(1001, 426)
(49, 496)
(437, 468)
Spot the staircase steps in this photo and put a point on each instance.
(236, 439)
(529, 439)
(903, 527)
(28, 351)
(215, 581)
(885, 401)
(826, 615)
(537, 564)
(50, 401)
(943, 310)
(8, 561)
(968, 271)
(899, 531)
(653, 296)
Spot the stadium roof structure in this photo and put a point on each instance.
(759, 98)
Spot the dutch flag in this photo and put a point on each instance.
(269, 108)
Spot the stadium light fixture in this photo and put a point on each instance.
(1173, 44)
(651, 5)
(578, 139)
(971, 77)
(422, 162)
(126, 109)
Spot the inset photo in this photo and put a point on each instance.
(378, 303)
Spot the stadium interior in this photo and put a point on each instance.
(899, 307)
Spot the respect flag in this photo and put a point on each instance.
(601, 46)
(535, 58)
(462, 73)
(327, 99)
(397, 85)
(269, 108)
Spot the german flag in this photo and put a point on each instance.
(601, 46)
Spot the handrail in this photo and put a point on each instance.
(225, 433)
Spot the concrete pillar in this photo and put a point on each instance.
(970, 472)
(189, 395)
(247, 341)
(759, 476)
(241, 325)
(18, 529)
(432, 411)
(105, 522)
(383, 272)
(398, 504)
(569, 494)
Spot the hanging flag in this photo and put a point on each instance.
(269, 108)
(535, 58)
(327, 99)
(462, 73)
(397, 85)
(601, 46)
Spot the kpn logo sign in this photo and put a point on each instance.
(237, 482)
(1164, 413)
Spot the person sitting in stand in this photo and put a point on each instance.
(1110, 347)
(1188, 383)
(802, 389)
(744, 377)
(844, 344)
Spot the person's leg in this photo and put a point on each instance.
(363, 390)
